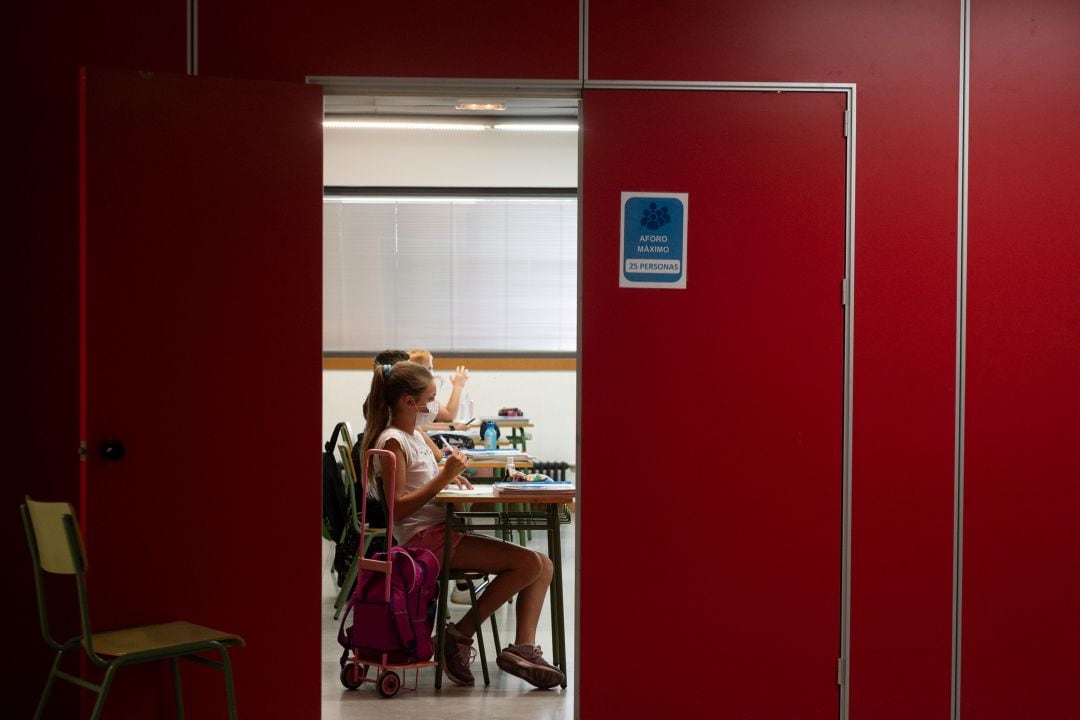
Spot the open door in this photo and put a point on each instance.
(201, 375)
(713, 416)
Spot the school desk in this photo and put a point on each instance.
(550, 519)
(517, 436)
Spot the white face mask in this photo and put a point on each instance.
(426, 416)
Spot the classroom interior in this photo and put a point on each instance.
(424, 210)
(832, 476)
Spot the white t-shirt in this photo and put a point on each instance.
(420, 467)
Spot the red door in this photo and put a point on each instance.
(201, 297)
(712, 417)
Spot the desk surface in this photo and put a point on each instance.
(508, 422)
(485, 494)
(497, 464)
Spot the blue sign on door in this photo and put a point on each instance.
(653, 240)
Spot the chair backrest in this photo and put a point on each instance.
(375, 504)
(56, 554)
(345, 451)
(56, 546)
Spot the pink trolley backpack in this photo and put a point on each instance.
(393, 607)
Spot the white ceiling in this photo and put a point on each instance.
(430, 105)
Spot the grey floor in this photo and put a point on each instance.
(506, 697)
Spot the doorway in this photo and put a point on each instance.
(465, 225)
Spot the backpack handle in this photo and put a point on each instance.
(341, 426)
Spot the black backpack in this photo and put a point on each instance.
(335, 498)
(460, 440)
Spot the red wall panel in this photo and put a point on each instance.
(201, 244)
(738, 383)
(1021, 587)
(904, 58)
(40, 285)
(421, 38)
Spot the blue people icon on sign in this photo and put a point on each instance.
(655, 216)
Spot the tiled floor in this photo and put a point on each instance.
(506, 697)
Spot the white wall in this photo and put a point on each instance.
(548, 399)
(416, 158)
(409, 158)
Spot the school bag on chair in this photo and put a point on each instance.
(402, 626)
(337, 520)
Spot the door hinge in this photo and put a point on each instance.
(82, 451)
(847, 122)
(839, 671)
(844, 292)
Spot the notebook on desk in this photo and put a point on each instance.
(554, 486)
(487, 454)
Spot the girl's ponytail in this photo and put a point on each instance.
(378, 418)
(388, 384)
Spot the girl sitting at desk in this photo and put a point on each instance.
(402, 398)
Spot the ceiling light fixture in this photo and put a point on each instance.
(480, 106)
(459, 126)
(401, 125)
(537, 127)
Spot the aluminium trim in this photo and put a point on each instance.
(961, 351)
(849, 385)
(191, 39)
(577, 438)
(717, 85)
(331, 191)
(511, 88)
(583, 40)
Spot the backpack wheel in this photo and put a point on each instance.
(389, 683)
(352, 675)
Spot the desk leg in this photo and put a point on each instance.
(559, 631)
(553, 592)
(440, 608)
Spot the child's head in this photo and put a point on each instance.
(396, 390)
(386, 357)
(389, 357)
(422, 357)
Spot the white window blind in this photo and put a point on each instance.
(483, 274)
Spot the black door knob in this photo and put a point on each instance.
(112, 450)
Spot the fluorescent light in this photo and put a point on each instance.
(537, 127)
(401, 125)
(390, 199)
(479, 106)
(474, 126)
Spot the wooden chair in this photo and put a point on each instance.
(56, 546)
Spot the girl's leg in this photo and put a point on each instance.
(517, 570)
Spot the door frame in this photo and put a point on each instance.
(575, 89)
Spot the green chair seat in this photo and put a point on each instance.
(160, 639)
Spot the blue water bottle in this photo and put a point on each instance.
(491, 436)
